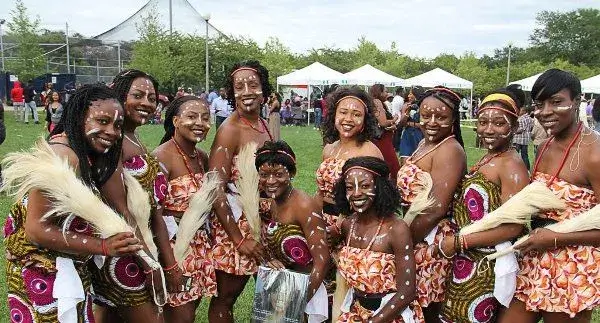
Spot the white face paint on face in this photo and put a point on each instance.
(360, 190)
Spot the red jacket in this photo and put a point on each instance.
(16, 94)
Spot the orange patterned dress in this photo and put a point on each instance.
(371, 272)
(199, 263)
(328, 173)
(432, 269)
(225, 255)
(566, 279)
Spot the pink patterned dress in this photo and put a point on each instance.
(566, 279)
(199, 263)
(432, 269)
(226, 256)
(328, 173)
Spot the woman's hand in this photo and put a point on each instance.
(174, 279)
(275, 264)
(122, 244)
(447, 246)
(539, 239)
(251, 248)
(333, 235)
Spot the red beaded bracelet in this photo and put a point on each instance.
(147, 271)
(240, 243)
(104, 250)
(171, 267)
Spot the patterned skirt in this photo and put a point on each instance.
(432, 269)
(226, 257)
(199, 266)
(30, 294)
(563, 280)
(120, 282)
(359, 314)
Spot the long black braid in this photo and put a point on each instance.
(452, 100)
(95, 169)
(386, 200)
(122, 82)
(172, 111)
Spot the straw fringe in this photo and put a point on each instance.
(341, 289)
(532, 199)
(422, 201)
(195, 215)
(138, 203)
(247, 186)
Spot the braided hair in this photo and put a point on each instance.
(330, 133)
(172, 111)
(95, 169)
(122, 83)
(263, 74)
(452, 100)
(386, 200)
(276, 153)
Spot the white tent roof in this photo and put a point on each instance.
(369, 75)
(527, 83)
(591, 85)
(314, 74)
(439, 77)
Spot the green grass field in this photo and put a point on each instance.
(305, 141)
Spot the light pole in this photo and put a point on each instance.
(2, 21)
(206, 18)
(508, 65)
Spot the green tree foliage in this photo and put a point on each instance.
(25, 32)
(572, 36)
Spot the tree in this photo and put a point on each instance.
(573, 36)
(25, 32)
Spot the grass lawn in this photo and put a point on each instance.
(305, 141)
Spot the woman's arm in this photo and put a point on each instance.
(447, 168)
(405, 274)
(380, 115)
(313, 227)
(221, 161)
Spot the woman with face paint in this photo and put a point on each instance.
(124, 285)
(558, 278)
(441, 155)
(348, 129)
(39, 250)
(187, 122)
(374, 237)
(387, 125)
(501, 173)
(294, 230)
(235, 251)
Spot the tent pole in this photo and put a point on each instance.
(308, 108)
(471, 103)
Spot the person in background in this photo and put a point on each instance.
(2, 133)
(538, 136)
(286, 112)
(16, 95)
(317, 105)
(596, 115)
(54, 110)
(582, 111)
(387, 126)
(464, 108)
(180, 92)
(29, 94)
(275, 116)
(213, 95)
(409, 120)
(220, 107)
(523, 135)
(398, 101)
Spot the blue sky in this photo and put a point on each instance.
(422, 28)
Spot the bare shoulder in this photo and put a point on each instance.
(227, 136)
(66, 152)
(591, 147)
(368, 148)
(451, 149)
(328, 150)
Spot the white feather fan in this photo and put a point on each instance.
(422, 201)
(247, 186)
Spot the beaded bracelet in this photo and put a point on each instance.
(240, 243)
(104, 250)
(442, 251)
(171, 267)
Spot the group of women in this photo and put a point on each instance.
(349, 238)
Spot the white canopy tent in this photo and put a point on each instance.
(369, 75)
(438, 76)
(591, 85)
(527, 83)
(314, 74)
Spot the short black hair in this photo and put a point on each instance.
(518, 95)
(596, 110)
(452, 100)
(386, 200)
(271, 153)
(263, 74)
(553, 81)
(330, 133)
(172, 110)
(94, 169)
